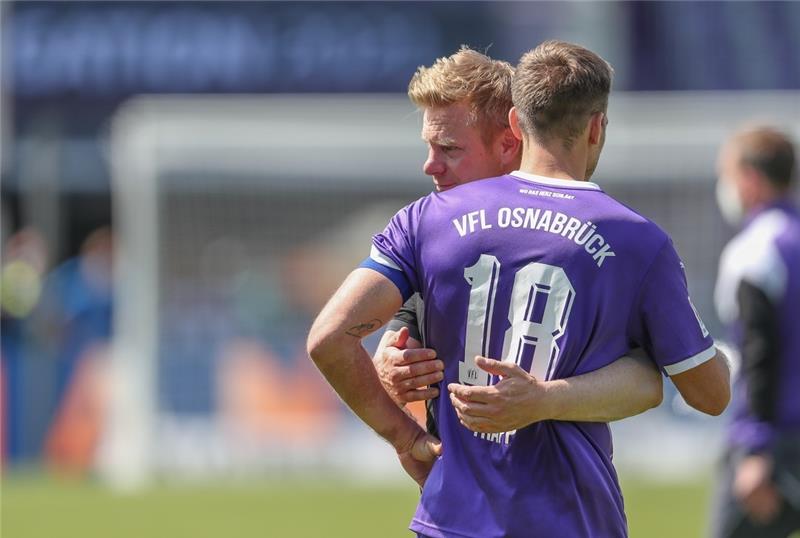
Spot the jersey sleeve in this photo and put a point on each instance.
(669, 327)
(393, 252)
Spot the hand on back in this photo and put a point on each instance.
(516, 401)
(406, 369)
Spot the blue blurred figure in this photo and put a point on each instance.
(75, 321)
(21, 279)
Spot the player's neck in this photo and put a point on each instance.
(553, 162)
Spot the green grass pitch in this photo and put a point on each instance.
(35, 507)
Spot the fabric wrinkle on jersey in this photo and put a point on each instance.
(560, 278)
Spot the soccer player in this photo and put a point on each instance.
(758, 294)
(543, 269)
(465, 99)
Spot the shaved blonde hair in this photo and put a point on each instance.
(469, 77)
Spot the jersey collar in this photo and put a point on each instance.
(555, 182)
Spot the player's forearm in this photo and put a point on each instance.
(349, 370)
(334, 344)
(628, 386)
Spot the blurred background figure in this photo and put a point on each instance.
(243, 153)
(22, 274)
(75, 322)
(758, 294)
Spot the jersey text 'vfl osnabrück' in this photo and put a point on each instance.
(557, 277)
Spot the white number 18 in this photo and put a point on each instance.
(541, 300)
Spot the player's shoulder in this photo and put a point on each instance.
(613, 213)
(760, 233)
(753, 255)
(628, 214)
(410, 213)
(788, 229)
(470, 189)
(467, 194)
(601, 205)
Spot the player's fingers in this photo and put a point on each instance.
(411, 356)
(505, 369)
(393, 338)
(425, 448)
(422, 381)
(481, 425)
(419, 395)
(432, 447)
(472, 409)
(401, 375)
(425, 367)
(458, 405)
(471, 394)
(435, 447)
(413, 343)
(476, 424)
(401, 337)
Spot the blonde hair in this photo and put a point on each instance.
(470, 77)
(557, 87)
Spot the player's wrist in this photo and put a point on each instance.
(552, 405)
(403, 435)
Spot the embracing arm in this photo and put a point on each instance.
(628, 386)
(359, 307)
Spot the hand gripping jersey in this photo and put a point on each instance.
(559, 278)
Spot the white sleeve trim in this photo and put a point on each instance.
(691, 362)
(381, 258)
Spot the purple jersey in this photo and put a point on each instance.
(555, 276)
(766, 255)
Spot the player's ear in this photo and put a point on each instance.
(507, 146)
(513, 122)
(596, 128)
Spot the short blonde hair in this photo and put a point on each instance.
(557, 87)
(469, 77)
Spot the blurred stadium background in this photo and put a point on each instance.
(183, 185)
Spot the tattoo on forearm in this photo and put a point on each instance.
(363, 329)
